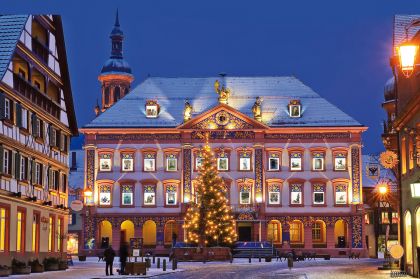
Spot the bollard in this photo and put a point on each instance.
(164, 265)
(158, 263)
(259, 258)
(249, 259)
(290, 262)
(174, 264)
(153, 259)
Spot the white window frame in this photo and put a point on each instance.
(24, 118)
(291, 109)
(345, 195)
(7, 109)
(294, 193)
(101, 194)
(151, 111)
(278, 163)
(149, 160)
(295, 168)
(130, 194)
(247, 164)
(167, 163)
(147, 194)
(6, 158)
(278, 200)
(123, 165)
(323, 198)
(38, 174)
(322, 164)
(22, 171)
(38, 127)
(197, 164)
(175, 198)
(109, 163)
(335, 163)
(242, 201)
(218, 164)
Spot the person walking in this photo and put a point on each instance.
(109, 255)
(123, 257)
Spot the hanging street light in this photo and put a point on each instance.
(407, 56)
(415, 189)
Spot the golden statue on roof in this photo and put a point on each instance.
(223, 92)
(256, 109)
(187, 111)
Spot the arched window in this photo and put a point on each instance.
(105, 234)
(319, 232)
(117, 94)
(127, 231)
(171, 232)
(408, 238)
(274, 231)
(340, 234)
(296, 232)
(106, 96)
(149, 233)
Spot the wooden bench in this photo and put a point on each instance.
(135, 268)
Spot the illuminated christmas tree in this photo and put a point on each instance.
(209, 220)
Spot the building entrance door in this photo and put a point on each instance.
(244, 231)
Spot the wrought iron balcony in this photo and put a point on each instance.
(26, 89)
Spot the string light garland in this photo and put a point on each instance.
(209, 220)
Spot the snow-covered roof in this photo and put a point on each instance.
(171, 94)
(400, 24)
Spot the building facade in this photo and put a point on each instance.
(402, 133)
(37, 120)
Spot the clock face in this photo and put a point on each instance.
(222, 118)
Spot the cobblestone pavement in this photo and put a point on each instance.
(239, 269)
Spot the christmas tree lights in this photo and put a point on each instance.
(209, 220)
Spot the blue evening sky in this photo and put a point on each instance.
(340, 49)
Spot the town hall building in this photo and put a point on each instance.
(290, 160)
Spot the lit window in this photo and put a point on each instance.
(367, 220)
(59, 238)
(198, 162)
(296, 232)
(341, 194)
(127, 194)
(105, 195)
(295, 109)
(127, 162)
(222, 164)
(152, 109)
(245, 160)
(384, 218)
(296, 194)
(105, 162)
(395, 218)
(149, 161)
(274, 162)
(296, 161)
(3, 229)
(318, 161)
(319, 193)
(35, 233)
(171, 162)
(150, 195)
(340, 162)
(245, 194)
(171, 194)
(20, 232)
(51, 234)
(317, 231)
(274, 193)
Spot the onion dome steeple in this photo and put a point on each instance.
(115, 77)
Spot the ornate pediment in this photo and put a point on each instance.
(222, 117)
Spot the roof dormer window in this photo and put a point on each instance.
(295, 109)
(152, 109)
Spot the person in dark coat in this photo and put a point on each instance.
(174, 237)
(109, 255)
(123, 257)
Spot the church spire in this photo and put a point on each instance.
(117, 37)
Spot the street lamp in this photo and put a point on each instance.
(383, 189)
(407, 55)
(407, 52)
